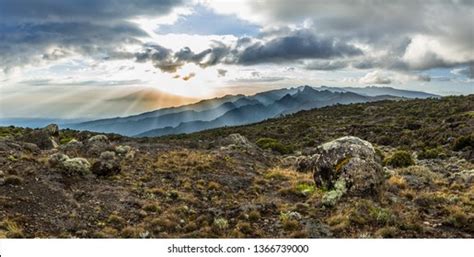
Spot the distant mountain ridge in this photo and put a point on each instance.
(234, 110)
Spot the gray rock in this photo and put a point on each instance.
(30, 147)
(107, 165)
(349, 160)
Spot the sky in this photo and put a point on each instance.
(90, 59)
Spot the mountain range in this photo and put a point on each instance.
(234, 110)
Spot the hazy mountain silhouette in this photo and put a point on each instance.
(233, 110)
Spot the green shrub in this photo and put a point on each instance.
(274, 145)
(430, 153)
(463, 142)
(399, 159)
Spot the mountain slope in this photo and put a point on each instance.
(377, 91)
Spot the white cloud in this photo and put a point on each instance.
(375, 77)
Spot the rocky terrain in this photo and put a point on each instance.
(382, 169)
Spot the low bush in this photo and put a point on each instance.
(274, 145)
(399, 159)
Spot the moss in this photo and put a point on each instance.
(305, 188)
(399, 159)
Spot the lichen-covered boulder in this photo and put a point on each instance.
(107, 165)
(348, 161)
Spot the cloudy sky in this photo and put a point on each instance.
(88, 58)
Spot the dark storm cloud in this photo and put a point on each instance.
(296, 46)
(168, 61)
(31, 28)
(82, 10)
(22, 44)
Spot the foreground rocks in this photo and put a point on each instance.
(348, 165)
(226, 187)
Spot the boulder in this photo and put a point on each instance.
(107, 165)
(237, 140)
(348, 161)
(30, 147)
(45, 138)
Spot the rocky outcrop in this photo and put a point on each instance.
(45, 138)
(348, 165)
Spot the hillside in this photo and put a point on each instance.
(413, 178)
